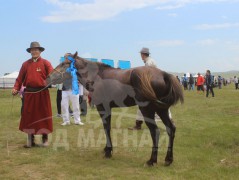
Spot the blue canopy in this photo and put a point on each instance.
(124, 64)
(109, 62)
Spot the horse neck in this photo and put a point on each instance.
(92, 67)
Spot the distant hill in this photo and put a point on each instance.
(227, 74)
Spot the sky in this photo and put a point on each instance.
(182, 35)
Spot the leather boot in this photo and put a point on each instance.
(45, 140)
(137, 126)
(30, 141)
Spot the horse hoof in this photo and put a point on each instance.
(108, 156)
(168, 163)
(149, 163)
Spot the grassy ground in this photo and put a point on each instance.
(206, 143)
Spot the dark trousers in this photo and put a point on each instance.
(185, 85)
(83, 106)
(31, 138)
(236, 85)
(58, 101)
(211, 89)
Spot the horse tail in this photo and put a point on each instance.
(175, 92)
(146, 87)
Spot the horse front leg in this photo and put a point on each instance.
(105, 114)
(149, 114)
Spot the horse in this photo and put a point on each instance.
(152, 89)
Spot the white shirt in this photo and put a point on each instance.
(59, 86)
(236, 80)
(150, 62)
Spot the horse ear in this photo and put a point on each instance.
(75, 55)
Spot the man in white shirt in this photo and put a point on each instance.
(67, 97)
(148, 61)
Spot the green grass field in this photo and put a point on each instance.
(206, 143)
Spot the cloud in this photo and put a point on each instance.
(232, 45)
(207, 42)
(96, 10)
(170, 7)
(162, 43)
(216, 26)
(224, 17)
(68, 11)
(173, 15)
(175, 4)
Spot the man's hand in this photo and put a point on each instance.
(14, 92)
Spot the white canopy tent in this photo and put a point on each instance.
(8, 80)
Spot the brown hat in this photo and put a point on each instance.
(35, 45)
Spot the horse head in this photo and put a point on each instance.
(86, 71)
(59, 74)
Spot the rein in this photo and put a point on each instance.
(62, 74)
(72, 70)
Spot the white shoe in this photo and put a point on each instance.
(79, 123)
(65, 123)
(59, 115)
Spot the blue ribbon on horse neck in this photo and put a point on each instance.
(72, 70)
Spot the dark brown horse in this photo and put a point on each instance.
(153, 90)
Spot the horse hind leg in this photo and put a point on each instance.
(165, 116)
(149, 115)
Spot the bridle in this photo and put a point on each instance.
(62, 73)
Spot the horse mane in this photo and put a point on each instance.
(99, 64)
(103, 66)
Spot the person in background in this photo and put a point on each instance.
(219, 82)
(200, 82)
(236, 82)
(58, 99)
(83, 103)
(191, 83)
(36, 117)
(185, 82)
(209, 83)
(224, 81)
(69, 97)
(178, 79)
(148, 62)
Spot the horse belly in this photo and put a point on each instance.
(114, 94)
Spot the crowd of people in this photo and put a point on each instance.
(205, 83)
